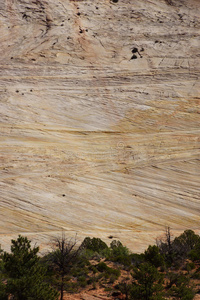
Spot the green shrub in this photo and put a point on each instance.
(3, 293)
(71, 287)
(78, 272)
(189, 266)
(186, 245)
(182, 292)
(102, 267)
(119, 253)
(153, 256)
(26, 276)
(194, 254)
(196, 275)
(180, 288)
(94, 244)
(137, 259)
(93, 269)
(113, 278)
(82, 281)
(91, 280)
(172, 279)
(147, 283)
(186, 241)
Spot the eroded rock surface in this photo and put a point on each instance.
(99, 119)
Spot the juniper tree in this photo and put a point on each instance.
(25, 274)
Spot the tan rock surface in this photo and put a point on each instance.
(94, 142)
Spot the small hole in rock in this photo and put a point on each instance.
(134, 57)
(135, 50)
(78, 14)
(63, 195)
(17, 91)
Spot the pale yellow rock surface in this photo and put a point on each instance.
(94, 142)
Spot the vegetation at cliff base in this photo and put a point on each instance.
(168, 270)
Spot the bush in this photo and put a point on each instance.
(93, 269)
(26, 276)
(102, 267)
(137, 259)
(181, 289)
(113, 278)
(185, 243)
(194, 254)
(71, 287)
(94, 244)
(189, 266)
(153, 256)
(82, 281)
(196, 275)
(108, 273)
(147, 283)
(119, 253)
(182, 292)
(3, 293)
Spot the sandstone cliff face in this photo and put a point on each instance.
(99, 118)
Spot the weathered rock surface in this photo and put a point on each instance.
(100, 108)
